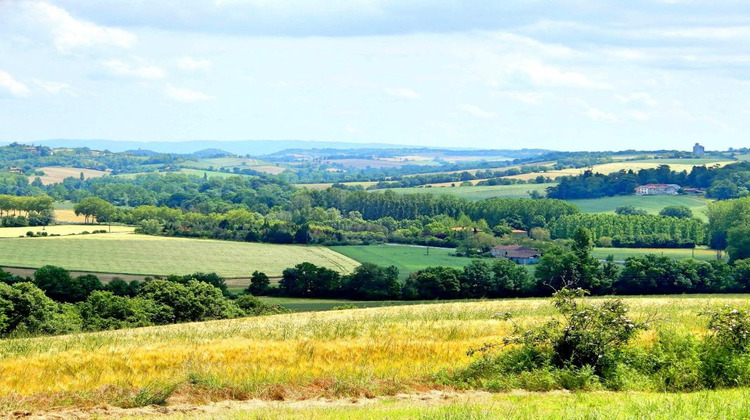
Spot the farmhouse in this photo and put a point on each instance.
(657, 189)
(516, 253)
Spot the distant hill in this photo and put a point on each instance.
(249, 147)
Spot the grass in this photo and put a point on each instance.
(652, 204)
(142, 254)
(721, 404)
(15, 232)
(406, 258)
(336, 354)
(621, 254)
(316, 305)
(480, 192)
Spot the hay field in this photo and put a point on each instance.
(15, 232)
(153, 255)
(607, 168)
(56, 174)
(361, 352)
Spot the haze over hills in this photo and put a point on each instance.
(243, 147)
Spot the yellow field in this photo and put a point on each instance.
(14, 232)
(68, 216)
(362, 352)
(608, 168)
(273, 170)
(55, 174)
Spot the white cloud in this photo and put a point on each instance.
(476, 111)
(53, 88)
(638, 97)
(597, 114)
(185, 95)
(139, 71)
(70, 33)
(547, 76)
(402, 93)
(193, 64)
(13, 86)
(530, 98)
(638, 115)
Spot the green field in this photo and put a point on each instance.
(621, 254)
(652, 204)
(480, 192)
(721, 404)
(142, 254)
(407, 258)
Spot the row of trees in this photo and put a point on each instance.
(53, 302)
(559, 268)
(730, 181)
(678, 231)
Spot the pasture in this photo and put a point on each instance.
(480, 192)
(407, 258)
(652, 204)
(152, 255)
(621, 254)
(56, 174)
(337, 354)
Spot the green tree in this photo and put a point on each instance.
(259, 284)
(738, 242)
(681, 212)
(372, 282)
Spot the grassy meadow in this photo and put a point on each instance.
(621, 254)
(479, 192)
(652, 204)
(153, 255)
(336, 354)
(407, 258)
(721, 404)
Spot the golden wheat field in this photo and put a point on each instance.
(56, 174)
(362, 352)
(608, 168)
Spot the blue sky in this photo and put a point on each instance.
(569, 75)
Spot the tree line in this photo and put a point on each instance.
(54, 302)
(730, 181)
(499, 278)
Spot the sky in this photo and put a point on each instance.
(564, 75)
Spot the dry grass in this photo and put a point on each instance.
(62, 230)
(55, 174)
(363, 352)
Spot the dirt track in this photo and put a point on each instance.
(225, 408)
